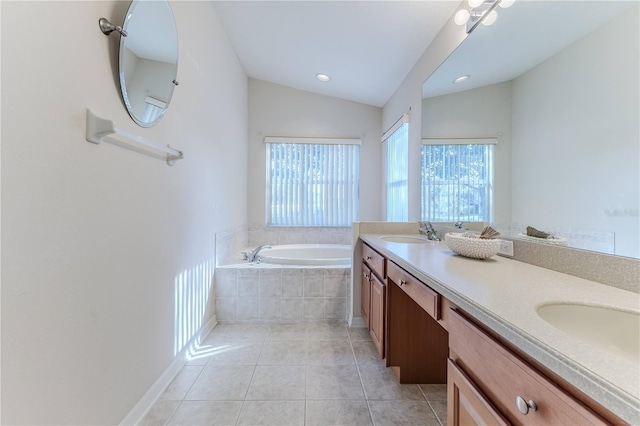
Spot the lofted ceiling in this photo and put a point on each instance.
(367, 47)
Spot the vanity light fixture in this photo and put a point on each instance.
(323, 77)
(490, 18)
(461, 78)
(481, 11)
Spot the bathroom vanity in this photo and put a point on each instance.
(475, 325)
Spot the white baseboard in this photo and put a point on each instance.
(149, 398)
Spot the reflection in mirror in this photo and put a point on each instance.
(148, 60)
(557, 83)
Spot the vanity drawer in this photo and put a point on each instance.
(375, 261)
(504, 377)
(428, 299)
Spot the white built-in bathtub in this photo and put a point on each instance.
(307, 254)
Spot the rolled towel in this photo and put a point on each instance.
(533, 232)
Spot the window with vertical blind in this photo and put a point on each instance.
(398, 171)
(457, 180)
(312, 182)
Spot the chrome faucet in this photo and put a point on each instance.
(459, 226)
(254, 254)
(427, 229)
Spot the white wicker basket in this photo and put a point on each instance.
(470, 245)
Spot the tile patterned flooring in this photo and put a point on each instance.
(315, 373)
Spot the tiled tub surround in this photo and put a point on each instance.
(273, 293)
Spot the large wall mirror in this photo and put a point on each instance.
(556, 83)
(148, 60)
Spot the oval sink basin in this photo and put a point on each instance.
(406, 239)
(612, 330)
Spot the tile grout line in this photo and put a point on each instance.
(364, 392)
(255, 366)
(187, 391)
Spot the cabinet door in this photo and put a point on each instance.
(466, 405)
(509, 382)
(365, 295)
(376, 314)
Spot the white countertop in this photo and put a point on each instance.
(504, 294)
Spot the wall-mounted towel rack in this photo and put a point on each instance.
(99, 128)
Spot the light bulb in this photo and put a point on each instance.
(506, 3)
(475, 3)
(461, 17)
(490, 18)
(323, 77)
(461, 78)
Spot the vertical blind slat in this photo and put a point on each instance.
(398, 175)
(457, 183)
(312, 185)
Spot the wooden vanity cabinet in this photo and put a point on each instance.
(377, 317)
(466, 404)
(365, 294)
(487, 381)
(373, 293)
(417, 345)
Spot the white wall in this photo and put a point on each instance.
(276, 110)
(477, 113)
(408, 99)
(95, 237)
(576, 152)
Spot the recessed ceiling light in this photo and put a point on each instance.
(461, 79)
(323, 77)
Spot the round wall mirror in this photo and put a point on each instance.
(148, 60)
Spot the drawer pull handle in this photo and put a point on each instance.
(367, 276)
(402, 282)
(368, 257)
(524, 406)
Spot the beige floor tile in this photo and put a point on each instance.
(280, 413)
(243, 331)
(206, 413)
(288, 331)
(358, 334)
(395, 413)
(283, 352)
(434, 392)
(366, 353)
(440, 408)
(198, 354)
(380, 383)
(337, 413)
(159, 413)
(318, 372)
(328, 330)
(181, 384)
(333, 382)
(277, 383)
(235, 352)
(330, 352)
(222, 382)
